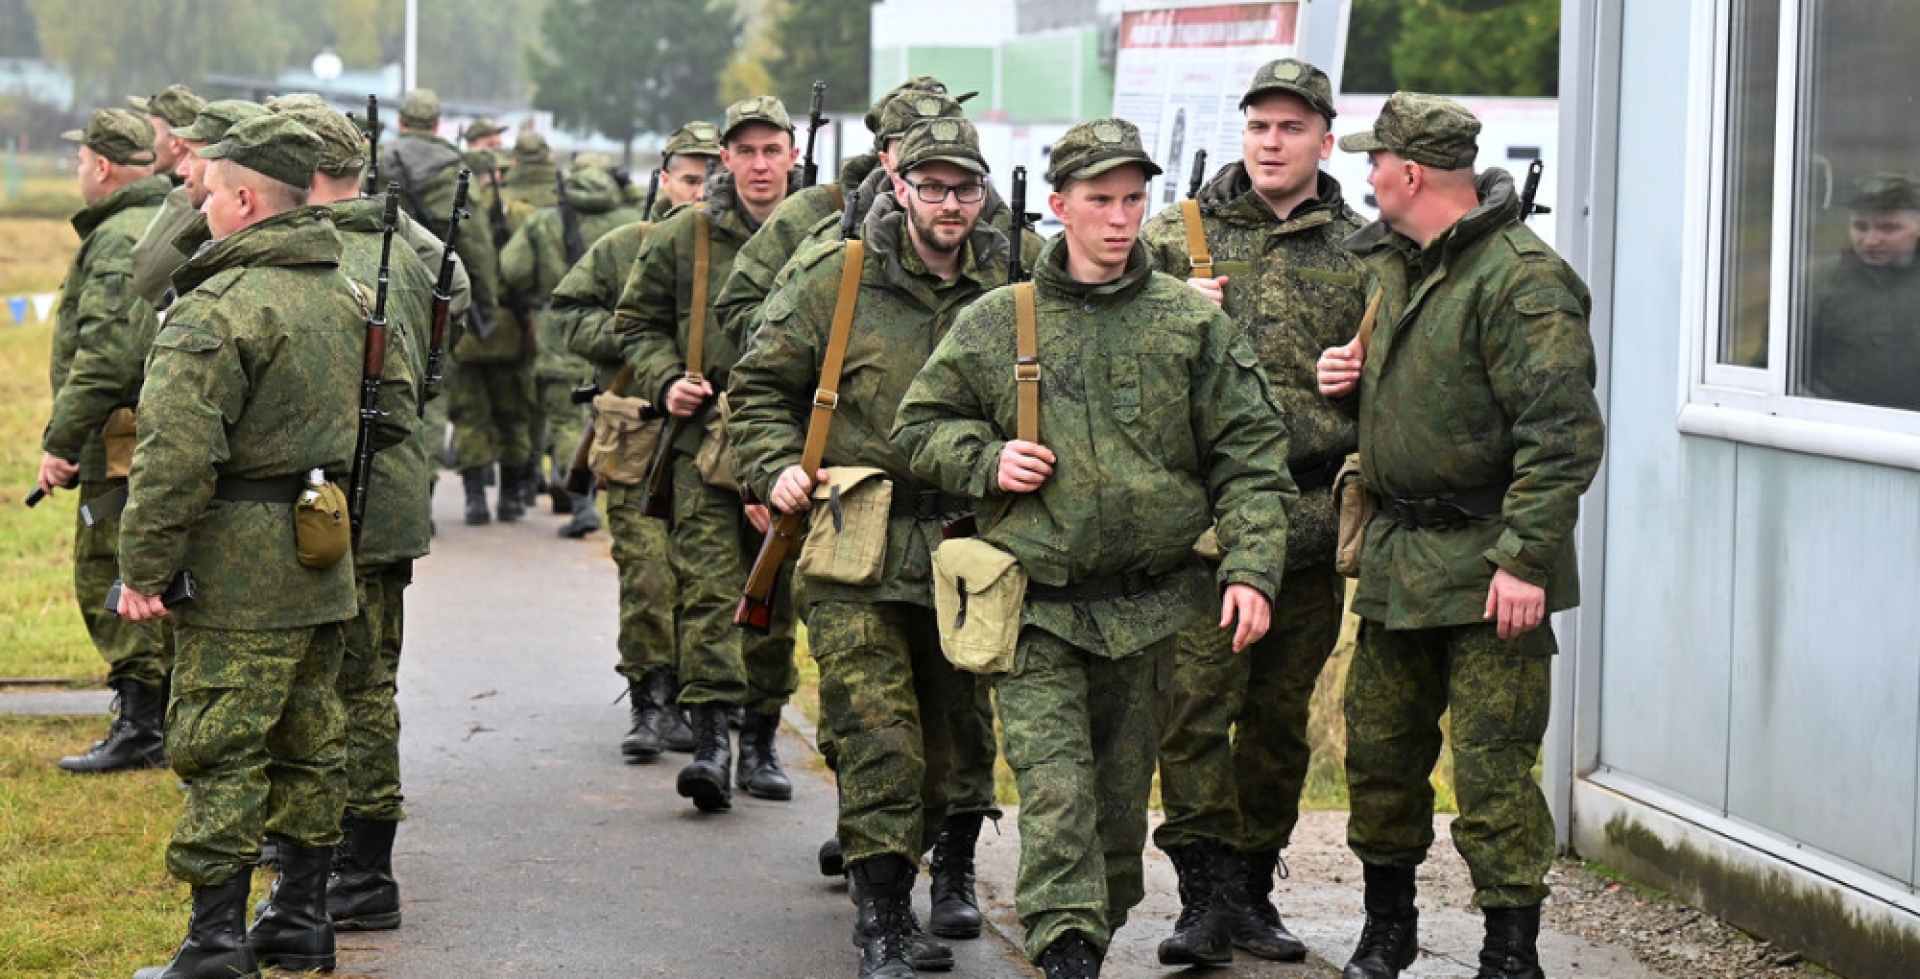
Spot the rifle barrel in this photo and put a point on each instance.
(1016, 265)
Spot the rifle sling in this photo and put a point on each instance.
(1026, 377)
(697, 316)
(1367, 322)
(621, 378)
(827, 397)
(1196, 239)
(839, 197)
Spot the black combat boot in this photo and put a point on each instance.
(1070, 956)
(474, 482)
(361, 892)
(293, 930)
(135, 740)
(707, 780)
(216, 945)
(833, 859)
(512, 502)
(677, 730)
(760, 773)
(884, 894)
(647, 702)
(1390, 941)
(1201, 935)
(956, 911)
(563, 502)
(1251, 916)
(1509, 952)
(586, 517)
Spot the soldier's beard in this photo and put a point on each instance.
(930, 234)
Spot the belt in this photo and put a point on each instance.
(1451, 511)
(1132, 584)
(1319, 475)
(926, 504)
(273, 489)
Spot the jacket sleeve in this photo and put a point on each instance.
(944, 425)
(196, 382)
(582, 308)
(647, 318)
(1540, 362)
(1243, 440)
(750, 283)
(770, 391)
(114, 329)
(1166, 240)
(430, 249)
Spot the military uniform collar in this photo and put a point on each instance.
(302, 236)
(888, 239)
(1499, 207)
(1050, 273)
(358, 214)
(140, 193)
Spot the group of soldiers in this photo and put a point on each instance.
(1138, 430)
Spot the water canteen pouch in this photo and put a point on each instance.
(117, 436)
(322, 535)
(1357, 506)
(978, 593)
(847, 534)
(715, 458)
(624, 438)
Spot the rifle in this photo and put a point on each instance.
(1016, 266)
(810, 171)
(1199, 172)
(653, 194)
(373, 137)
(442, 291)
(373, 370)
(569, 222)
(1527, 207)
(755, 610)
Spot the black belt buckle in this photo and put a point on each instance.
(1434, 513)
(927, 505)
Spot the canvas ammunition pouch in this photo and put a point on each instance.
(715, 458)
(625, 433)
(118, 437)
(979, 592)
(847, 534)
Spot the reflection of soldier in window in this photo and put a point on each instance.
(1864, 342)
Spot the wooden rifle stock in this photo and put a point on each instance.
(657, 500)
(755, 610)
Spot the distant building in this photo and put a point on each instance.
(42, 81)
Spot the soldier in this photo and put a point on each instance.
(529, 182)
(100, 338)
(1478, 432)
(1862, 344)
(1272, 227)
(174, 108)
(483, 134)
(885, 687)
(533, 263)
(1155, 420)
(583, 316)
(258, 370)
(490, 391)
(160, 250)
(712, 543)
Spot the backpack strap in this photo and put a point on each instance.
(1196, 239)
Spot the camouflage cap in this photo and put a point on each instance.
(279, 147)
(295, 100)
(1884, 192)
(531, 147)
(481, 128)
(953, 141)
(1293, 77)
(177, 105)
(912, 107)
(1428, 129)
(694, 139)
(760, 108)
(421, 108)
(343, 147)
(923, 84)
(1093, 148)
(119, 135)
(594, 161)
(213, 122)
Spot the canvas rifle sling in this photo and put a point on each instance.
(827, 397)
(1196, 239)
(1026, 376)
(697, 318)
(1367, 322)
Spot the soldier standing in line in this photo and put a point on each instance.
(1479, 432)
(174, 108)
(885, 687)
(1155, 420)
(526, 186)
(583, 315)
(100, 338)
(1234, 756)
(161, 249)
(714, 541)
(258, 369)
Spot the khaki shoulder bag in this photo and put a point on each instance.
(1351, 495)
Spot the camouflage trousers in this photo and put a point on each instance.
(491, 406)
(643, 553)
(970, 781)
(1498, 693)
(557, 422)
(257, 730)
(713, 549)
(1081, 732)
(1234, 752)
(885, 693)
(368, 685)
(138, 651)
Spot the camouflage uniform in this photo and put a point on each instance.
(100, 338)
(179, 227)
(1159, 416)
(1480, 376)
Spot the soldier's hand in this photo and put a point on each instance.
(1339, 369)
(1245, 604)
(1215, 289)
(135, 607)
(1517, 606)
(684, 396)
(793, 491)
(1024, 466)
(56, 472)
(758, 516)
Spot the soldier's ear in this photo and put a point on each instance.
(1057, 202)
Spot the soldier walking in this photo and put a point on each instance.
(1479, 432)
(1154, 420)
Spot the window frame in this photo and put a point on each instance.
(1752, 404)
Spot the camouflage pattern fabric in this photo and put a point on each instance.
(139, 651)
(256, 729)
(713, 548)
(1081, 731)
(1198, 791)
(1430, 130)
(970, 784)
(1270, 746)
(1498, 692)
(779, 239)
(1481, 374)
(368, 687)
(491, 407)
(155, 257)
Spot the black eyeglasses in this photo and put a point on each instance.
(930, 193)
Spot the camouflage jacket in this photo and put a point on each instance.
(101, 329)
(1293, 286)
(535, 259)
(903, 311)
(257, 374)
(400, 497)
(1480, 374)
(780, 239)
(155, 256)
(582, 310)
(1161, 421)
(1860, 345)
(656, 305)
(430, 166)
